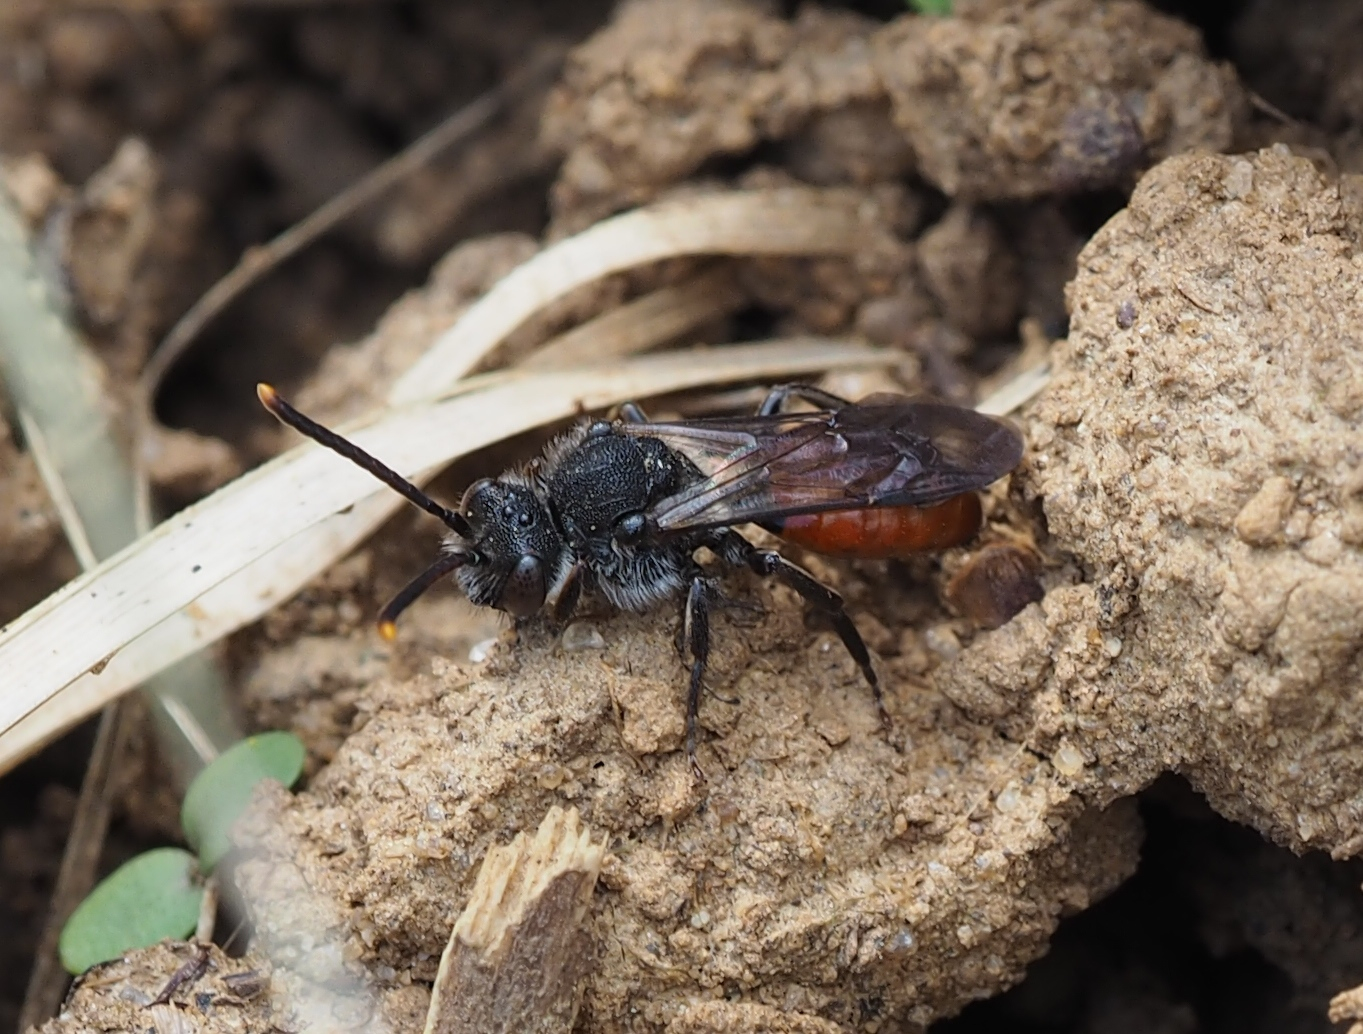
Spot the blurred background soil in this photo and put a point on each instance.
(150, 145)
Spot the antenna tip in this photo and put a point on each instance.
(388, 630)
(269, 398)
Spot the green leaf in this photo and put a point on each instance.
(941, 8)
(220, 793)
(154, 896)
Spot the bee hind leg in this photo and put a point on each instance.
(776, 398)
(770, 564)
(696, 630)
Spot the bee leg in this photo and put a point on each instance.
(633, 413)
(680, 641)
(696, 627)
(770, 564)
(563, 597)
(719, 601)
(776, 398)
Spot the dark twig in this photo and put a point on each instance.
(1265, 106)
(80, 862)
(186, 976)
(259, 260)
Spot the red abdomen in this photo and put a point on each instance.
(883, 532)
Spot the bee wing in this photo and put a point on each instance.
(884, 451)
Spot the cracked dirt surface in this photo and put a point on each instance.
(821, 870)
(1199, 455)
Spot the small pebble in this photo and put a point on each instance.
(1008, 799)
(1239, 180)
(551, 776)
(582, 635)
(943, 641)
(1260, 521)
(1068, 761)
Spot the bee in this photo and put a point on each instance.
(618, 508)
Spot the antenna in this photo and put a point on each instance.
(286, 414)
(388, 617)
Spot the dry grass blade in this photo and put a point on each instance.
(58, 387)
(655, 319)
(790, 221)
(59, 390)
(72, 525)
(80, 864)
(229, 558)
(257, 262)
(1017, 392)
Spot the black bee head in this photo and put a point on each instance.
(516, 549)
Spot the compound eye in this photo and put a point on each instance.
(524, 590)
(473, 491)
(630, 529)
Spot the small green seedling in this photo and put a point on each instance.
(220, 793)
(158, 894)
(153, 896)
(941, 8)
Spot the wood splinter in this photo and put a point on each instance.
(520, 952)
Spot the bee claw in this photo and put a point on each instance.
(696, 773)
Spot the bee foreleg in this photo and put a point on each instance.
(564, 595)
